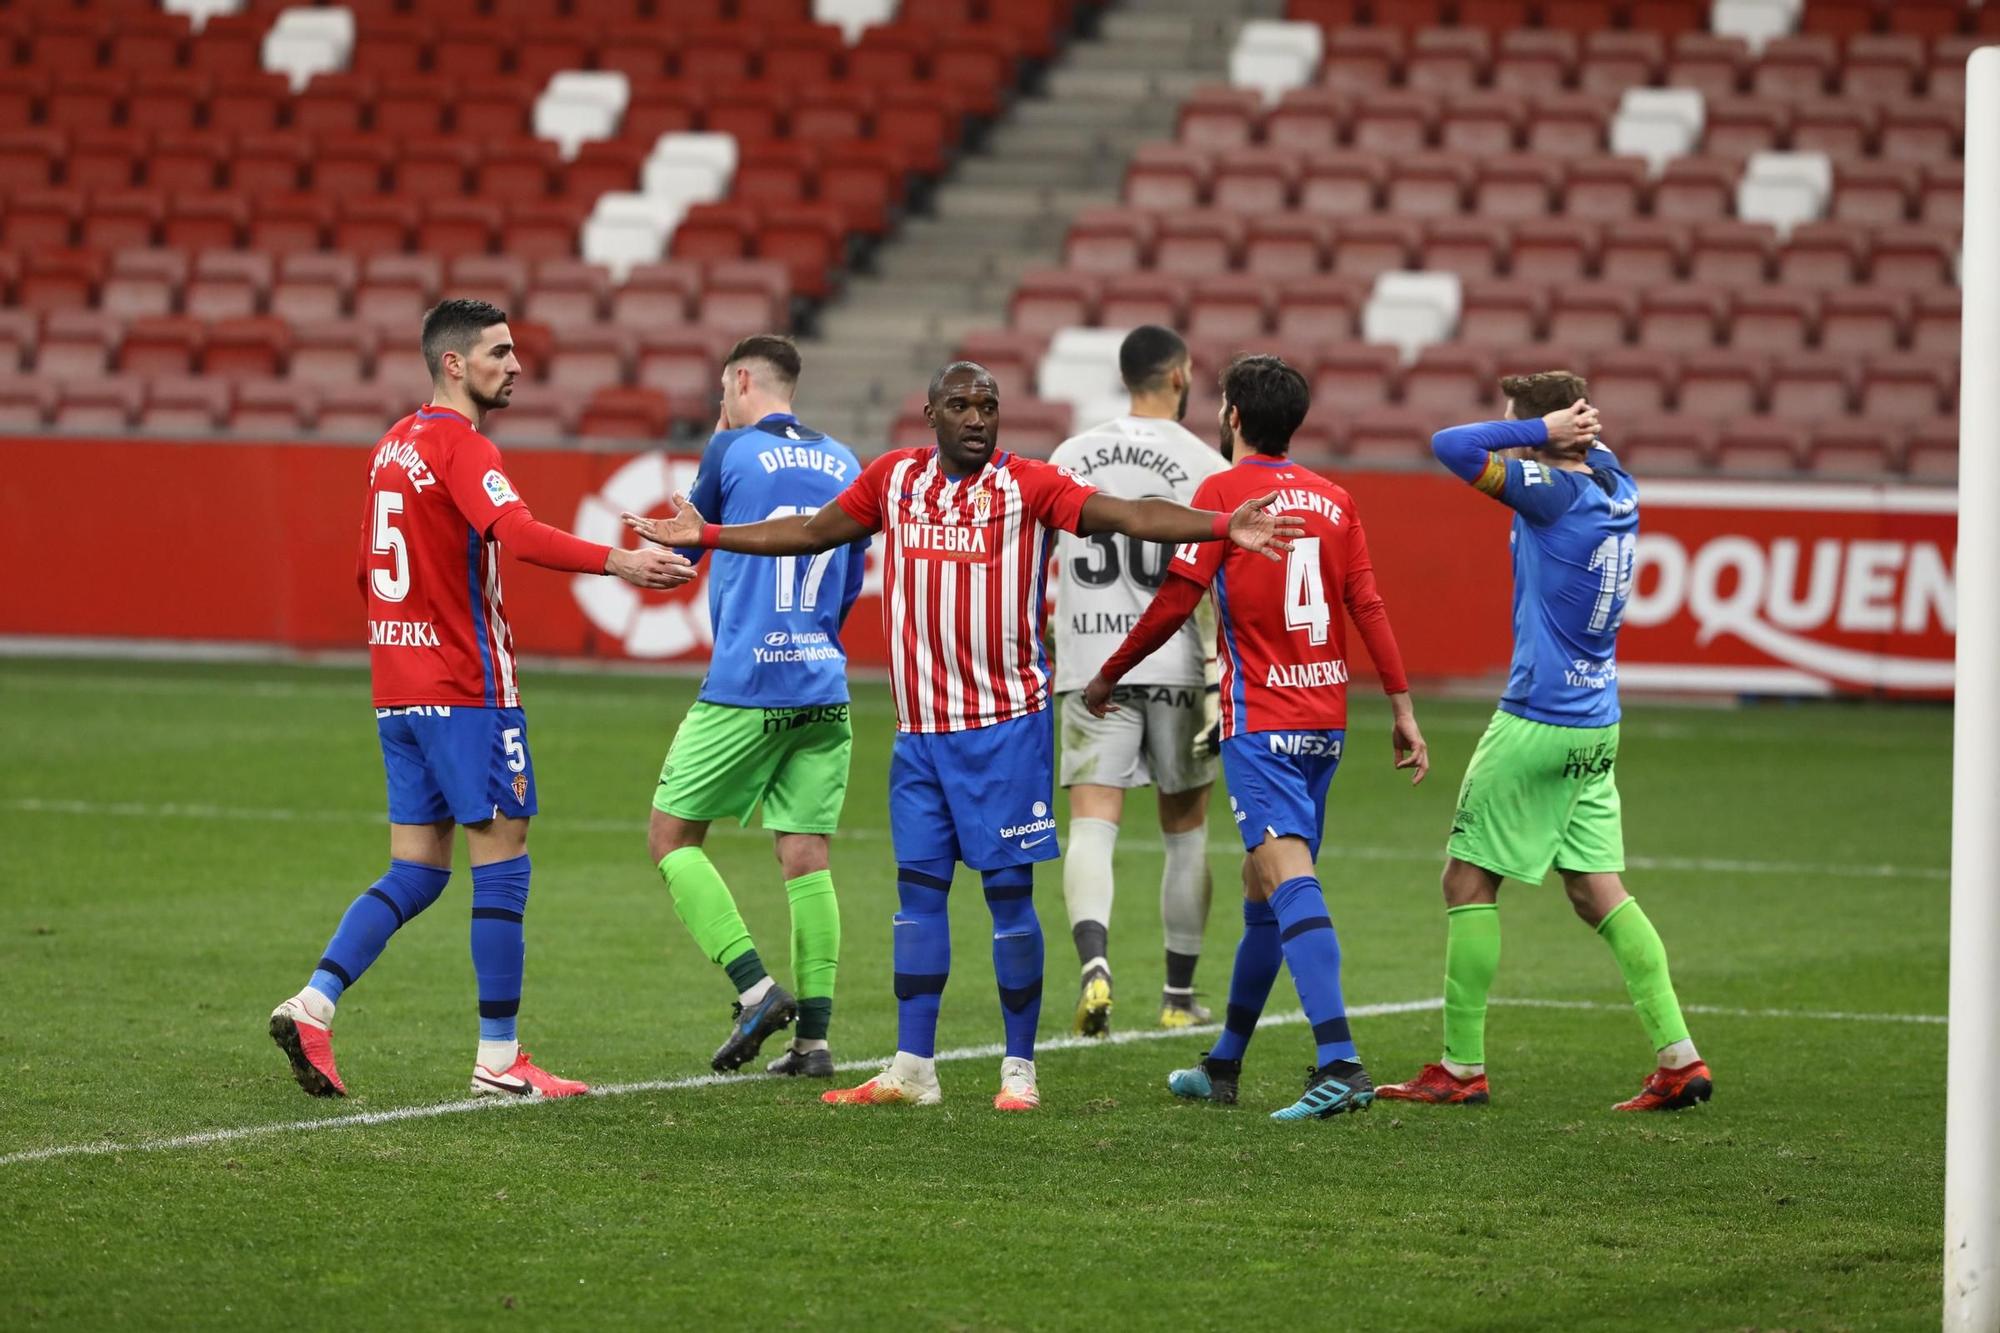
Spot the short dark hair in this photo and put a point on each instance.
(453, 326)
(945, 371)
(1147, 354)
(775, 348)
(1543, 392)
(1270, 398)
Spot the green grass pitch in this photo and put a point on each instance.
(176, 842)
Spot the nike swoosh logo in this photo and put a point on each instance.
(1026, 845)
(494, 1083)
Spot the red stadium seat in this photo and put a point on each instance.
(1531, 60)
(1760, 449)
(1362, 59)
(205, 221)
(1368, 247)
(1882, 68)
(28, 159)
(865, 181)
(26, 405)
(1255, 180)
(1710, 63)
(1393, 436)
(1839, 127)
(499, 279)
(350, 164)
(102, 160)
(1863, 320)
(360, 412)
(1644, 252)
(1796, 67)
(312, 286)
(1697, 189)
(1342, 183)
(1286, 245)
(396, 289)
(1502, 313)
(1822, 254)
(165, 100)
(1395, 122)
(1857, 449)
(1926, 131)
(122, 219)
(185, 406)
(1354, 376)
(1934, 328)
(1667, 446)
(76, 344)
(247, 348)
(625, 414)
(810, 241)
(1319, 309)
(1047, 300)
(1941, 202)
(1773, 320)
(1932, 453)
(681, 363)
(1908, 388)
(1632, 385)
(1483, 122)
(1592, 314)
(58, 279)
(1445, 60)
(1130, 299)
(102, 407)
(1554, 251)
(333, 351)
(1517, 185)
(458, 226)
(1944, 77)
(1110, 240)
(1811, 387)
(1307, 119)
(544, 229)
(715, 231)
(1166, 175)
(365, 226)
(1012, 357)
(1229, 306)
(1198, 241)
(566, 292)
(41, 219)
(1874, 193)
(1429, 185)
(1681, 318)
(1570, 123)
(228, 284)
(186, 161)
(1614, 61)
(1469, 247)
(83, 99)
(269, 163)
(1452, 382)
(1912, 259)
(1733, 253)
(656, 294)
(141, 283)
(1220, 117)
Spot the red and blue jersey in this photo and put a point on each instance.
(437, 629)
(1281, 639)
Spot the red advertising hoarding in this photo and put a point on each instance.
(1742, 588)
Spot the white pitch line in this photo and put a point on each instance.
(211, 1137)
(634, 828)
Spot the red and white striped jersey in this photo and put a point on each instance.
(437, 632)
(964, 570)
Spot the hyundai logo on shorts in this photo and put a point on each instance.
(777, 638)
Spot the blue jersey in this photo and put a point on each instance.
(777, 619)
(1575, 540)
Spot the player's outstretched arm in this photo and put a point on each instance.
(1168, 611)
(796, 534)
(550, 547)
(1156, 520)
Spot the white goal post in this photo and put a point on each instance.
(1972, 1133)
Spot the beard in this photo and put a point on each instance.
(1180, 412)
(1228, 443)
(491, 402)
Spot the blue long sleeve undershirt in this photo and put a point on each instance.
(1464, 449)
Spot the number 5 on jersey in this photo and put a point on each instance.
(391, 584)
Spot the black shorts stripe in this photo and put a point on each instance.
(905, 875)
(1017, 998)
(909, 985)
(1309, 923)
(1003, 893)
(391, 904)
(1332, 1030)
(497, 914)
(500, 1008)
(328, 965)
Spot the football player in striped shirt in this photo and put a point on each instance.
(447, 706)
(967, 530)
(1283, 649)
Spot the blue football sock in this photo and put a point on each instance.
(922, 949)
(1312, 951)
(1017, 954)
(499, 948)
(1258, 958)
(404, 890)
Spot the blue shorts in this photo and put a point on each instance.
(457, 763)
(1277, 783)
(985, 797)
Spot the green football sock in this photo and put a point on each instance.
(702, 902)
(1471, 957)
(815, 949)
(1643, 960)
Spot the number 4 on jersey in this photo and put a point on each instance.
(1305, 591)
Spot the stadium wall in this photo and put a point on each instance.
(1740, 588)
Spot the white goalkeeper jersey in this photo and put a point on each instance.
(1105, 580)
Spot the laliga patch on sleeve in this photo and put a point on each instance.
(498, 489)
(1071, 475)
(1534, 474)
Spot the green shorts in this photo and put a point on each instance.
(726, 761)
(1536, 796)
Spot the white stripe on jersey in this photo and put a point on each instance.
(506, 690)
(896, 580)
(1011, 593)
(950, 579)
